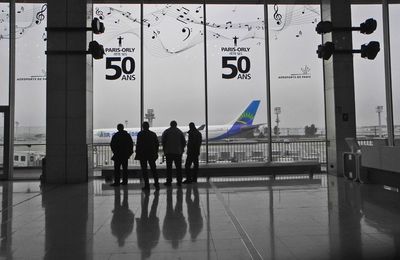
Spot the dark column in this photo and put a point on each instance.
(339, 86)
(69, 94)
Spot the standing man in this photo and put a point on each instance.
(147, 151)
(173, 141)
(193, 152)
(122, 148)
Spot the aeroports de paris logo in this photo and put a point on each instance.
(305, 73)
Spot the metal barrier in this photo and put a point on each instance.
(218, 152)
(26, 155)
(310, 150)
(240, 152)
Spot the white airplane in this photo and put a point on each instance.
(242, 124)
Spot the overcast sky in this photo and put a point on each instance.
(174, 65)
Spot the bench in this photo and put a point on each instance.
(235, 169)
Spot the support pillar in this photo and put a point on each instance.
(338, 86)
(69, 95)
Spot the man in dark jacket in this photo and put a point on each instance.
(122, 148)
(173, 141)
(193, 152)
(147, 151)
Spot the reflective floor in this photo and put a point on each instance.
(289, 218)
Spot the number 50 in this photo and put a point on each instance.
(119, 69)
(242, 66)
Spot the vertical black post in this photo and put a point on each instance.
(205, 74)
(141, 66)
(268, 81)
(388, 73)
(11, 101)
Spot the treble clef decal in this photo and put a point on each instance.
(277, 16)
(40, 16)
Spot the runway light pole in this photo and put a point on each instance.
(379, 110)
(277, 111)
(150, 116)
(16, 130)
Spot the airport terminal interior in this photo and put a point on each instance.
(296, 103)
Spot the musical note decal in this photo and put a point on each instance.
(186, 30)
(156, 17)
(28, 16)
(146, 22)
(40, 15)
(198, 9)
(165, 25)
(277, 16)
(21, 10)
(180, 19)
(155, 34)
(99, 13)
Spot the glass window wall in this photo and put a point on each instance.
(30, 85)
(4, 52)
(394, 21)
(369, 77)
(116, 78)
(174, 85)
(297, 88)
(174, 77)
(237, 91)
(173, 65)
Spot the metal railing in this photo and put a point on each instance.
(241, 152)
(26, 155)
(219, 152)
(237, 152)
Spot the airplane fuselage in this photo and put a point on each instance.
(214, 132)
(243, 123)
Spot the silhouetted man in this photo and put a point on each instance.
(193, 152)
(174, 226)
(147, 152)
(148, 225)
(123, 218)
(173, 141)
(122, 148)
(194, 212)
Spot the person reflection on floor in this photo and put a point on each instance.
(148, 226)
(174, 226)
(123, 217)
(194, 212)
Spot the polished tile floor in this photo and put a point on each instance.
(289, 218)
